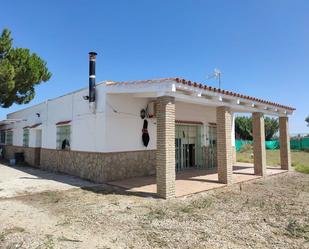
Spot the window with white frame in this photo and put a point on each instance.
(9, 137)
(2, 137)
(26, 138)
(63, 137)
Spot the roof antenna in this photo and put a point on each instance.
(216, 74)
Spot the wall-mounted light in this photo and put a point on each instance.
(143, 113)
(86, 97)
(38, 114)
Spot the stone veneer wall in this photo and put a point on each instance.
(32, 155)
(100, 167)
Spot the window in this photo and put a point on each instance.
(2, 137)
(63, 137)
(26, 138)
(9, 137)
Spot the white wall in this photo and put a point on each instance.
(27, 117)
(192, 112)
(124, 129)
(105, 131)
(87, 129)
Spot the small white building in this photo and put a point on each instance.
(190, 125)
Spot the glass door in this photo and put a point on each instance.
(189, 146)
(212, 148)
(196, 146)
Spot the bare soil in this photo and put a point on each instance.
(264, 213)
(23, 180)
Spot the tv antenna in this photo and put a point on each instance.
(216, 74)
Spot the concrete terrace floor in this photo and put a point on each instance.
(193, 180)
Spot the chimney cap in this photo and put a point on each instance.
(92, 53)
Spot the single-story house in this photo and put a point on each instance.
(140, 128)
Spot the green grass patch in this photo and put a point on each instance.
(302, 168)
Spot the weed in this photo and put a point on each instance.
(49, 242)
(278, 208)
(155, 240)
(297, 230)
(156, 214)
(196, 205)
(11, 231)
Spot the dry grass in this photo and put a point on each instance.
(300, 159)
(269, 213)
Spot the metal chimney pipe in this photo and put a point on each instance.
(92, 60)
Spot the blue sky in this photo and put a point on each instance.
(261, 47)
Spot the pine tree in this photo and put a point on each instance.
(20, 72)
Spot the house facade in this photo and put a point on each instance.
(141, 128)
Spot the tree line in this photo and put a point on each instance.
(243, 128)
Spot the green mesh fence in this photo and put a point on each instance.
(295, 144)
(300, 144)
(240, 143)
(272, 145)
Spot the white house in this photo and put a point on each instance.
(190, 125)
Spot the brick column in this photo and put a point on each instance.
(165, 146)
(224, 144)
(259, 150)
(285, 154)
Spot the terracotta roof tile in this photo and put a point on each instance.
(199, 85)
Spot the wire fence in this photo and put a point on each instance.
(295, 144)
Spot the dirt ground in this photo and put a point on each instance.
(264, 213)
(21, 180)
